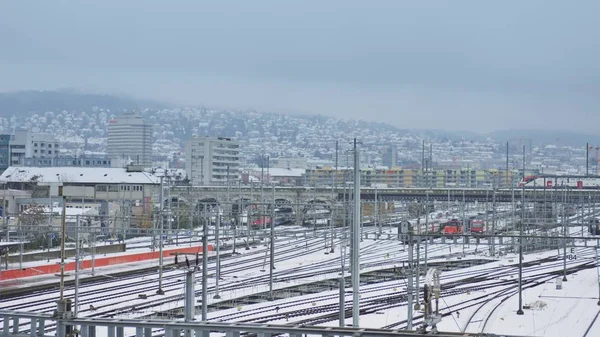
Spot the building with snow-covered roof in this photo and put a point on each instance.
(83, 183)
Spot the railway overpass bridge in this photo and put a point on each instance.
(302, 195)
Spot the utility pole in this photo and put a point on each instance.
(506, 182)
(355, 240)
(377, 214)
(160, 290)
(62, 249)
(493, 239)
(565, 231)
(587, 159)
(410, 290)
(205, 266)
(520, 310)
(272, 249)
(218, 259)
(77, 242)
(598, 268)
(342, 317)
(423, 164)
(426, 226)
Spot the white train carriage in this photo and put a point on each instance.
(561, 182)
(421, 226)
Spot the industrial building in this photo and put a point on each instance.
(83, 183)
(212, 160)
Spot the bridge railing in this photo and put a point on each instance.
(19, 324)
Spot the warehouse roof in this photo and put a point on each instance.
(75, 175)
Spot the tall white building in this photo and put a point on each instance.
(130, 138)
(25, 144)
(212, 160)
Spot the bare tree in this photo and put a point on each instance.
(33, 222)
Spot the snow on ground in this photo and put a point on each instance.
(565, 312)
(548, 306)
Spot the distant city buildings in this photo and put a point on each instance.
(129, 139)
(23, 147)
(289, 163)
(400, 177)
(390, 157)
(212, 160)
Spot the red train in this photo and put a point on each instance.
(453, 226)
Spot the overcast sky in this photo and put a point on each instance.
(478, 65)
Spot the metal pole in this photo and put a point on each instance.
(343, 280)
(272, 252)
(218, 259)
(506, 182)
(520, 310)
(160, 290)
(409, 290)
(62, 249)
(426, 228)
(565, 232)
(417, 266)
(189, 299)
(355, 240)
(587, 159)
(377, 213)
(76, 309)
(598, 268)
(93, 254)
(493, 243)
(205, 267)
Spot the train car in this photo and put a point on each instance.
(594, 226)
(284, 215)
(561, 182)
(261, 223)
(453, 226)
(317, 217)
(477, 226)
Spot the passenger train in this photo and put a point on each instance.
(560, 182)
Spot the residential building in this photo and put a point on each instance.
(130, 138)
(212, 160)
(4, 152)
(25, 144)
(277, 176)
(400, 177)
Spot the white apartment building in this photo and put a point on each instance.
(26, 144)
(212, 160)
(130, 138)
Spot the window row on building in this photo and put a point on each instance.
(119, 188)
